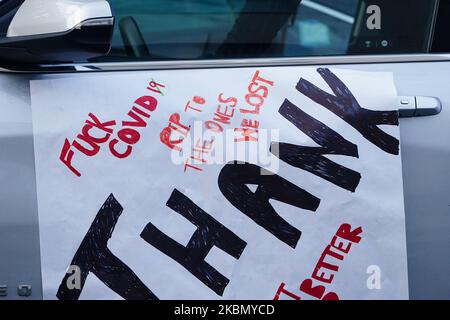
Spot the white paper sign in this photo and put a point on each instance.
(140, 196)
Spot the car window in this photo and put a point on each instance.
(227, 29)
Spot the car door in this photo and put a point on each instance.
(405, 37)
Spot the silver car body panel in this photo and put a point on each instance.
(425, 153)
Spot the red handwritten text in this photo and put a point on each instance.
(95, 132)
(325, 270)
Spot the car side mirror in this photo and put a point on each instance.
(44, 31)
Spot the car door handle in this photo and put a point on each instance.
(418, 106)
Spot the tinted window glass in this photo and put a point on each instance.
(211, 29)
